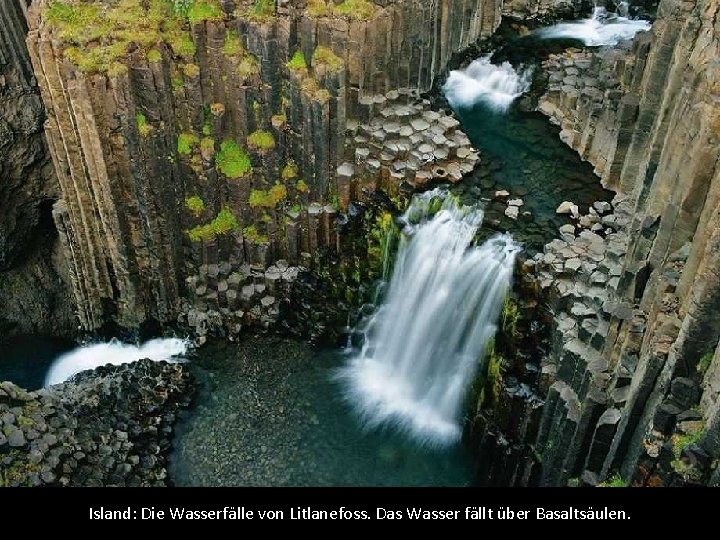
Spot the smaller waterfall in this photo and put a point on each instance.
(422, 347)
(496, 86)
(113, 352)
(602, 28)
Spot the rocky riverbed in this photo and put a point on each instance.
(270, 414)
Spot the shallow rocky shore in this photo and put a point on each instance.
(107, 427)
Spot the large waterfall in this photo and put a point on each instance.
(602, 28)
(113, 352)
(424, 344)
(496, 86)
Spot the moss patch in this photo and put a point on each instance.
(232, 160)
(186, 142)
(96, 35)
(261, 140)
(289, 171)
(225, 222)
(143, 127)
(196, 205)
(205, 10)
(297, 62)
(261, 10)
(268, 199)
(251, 233)
(325, 57)
(359, 10)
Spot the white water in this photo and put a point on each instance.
(424, 344)
(497, 86)
(113, 352)
(602, 28)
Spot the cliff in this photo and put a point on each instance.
(32, 291)
(227, 133)
(630, 383)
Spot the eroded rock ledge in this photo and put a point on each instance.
(108, 427)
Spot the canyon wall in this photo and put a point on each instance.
(226, 136)
(33, 293)
(630, 383)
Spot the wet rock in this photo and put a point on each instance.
(567, 207)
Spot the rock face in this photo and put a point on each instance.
(630, 381)
(107, 427)
(222, 139)
(33, 293)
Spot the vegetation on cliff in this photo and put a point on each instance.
(97, 35)
(360, 10)
(261, 140)
(225, 222)
(232, 160)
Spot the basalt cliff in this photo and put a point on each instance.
(215, 164)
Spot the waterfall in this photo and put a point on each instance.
(496, 86)
(423, 345)
(602, 28)
(113, 352)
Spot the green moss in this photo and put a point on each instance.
(360, 10)
(318, 8)
(261, 10)
(301, 186)
(680, 441)
(205, 10)
(232, 160)
(290, 171)
(186, 142)
(96, 36)
(233, 45)
(154, 56)
(181, 7)
(324, 56)
(268, 199)
(177, 83)
(614, 481)
(144, 129)
(196, 205)
(356, 9)
(510, 317)
(251, 233)
(297, 62)
(225, 222)
(704, 363)
(261, 140)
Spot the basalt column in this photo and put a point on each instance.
(33, 295)
(188, 144)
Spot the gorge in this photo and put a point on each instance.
(507, 211)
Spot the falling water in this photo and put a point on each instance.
(497, 86)
(602, 28)
(423, 345)
(113, 352)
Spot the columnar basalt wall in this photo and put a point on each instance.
(220, 135)
(32, 292)
(631, 380)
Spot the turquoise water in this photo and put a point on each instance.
(522, 153)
